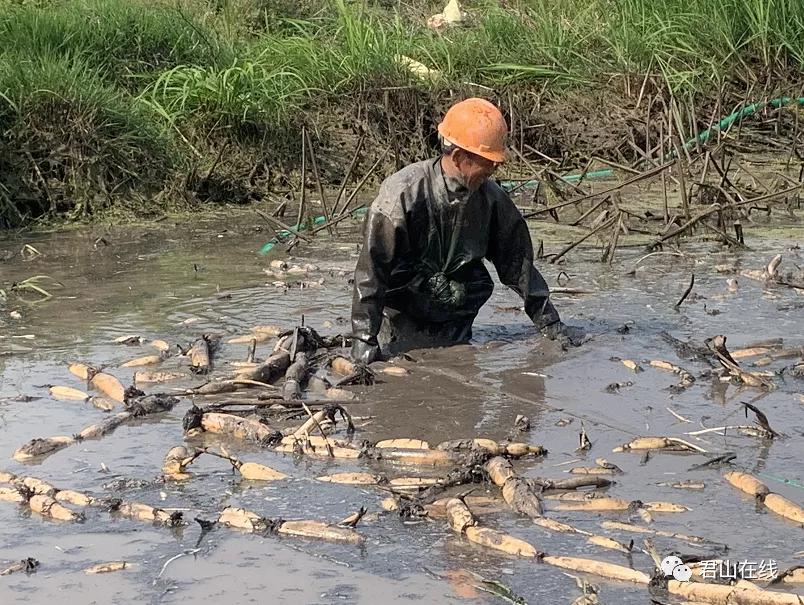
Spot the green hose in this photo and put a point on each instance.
(317, 221)
(703, 137)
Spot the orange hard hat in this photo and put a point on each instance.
(477, 126)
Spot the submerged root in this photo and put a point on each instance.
(235, 427)
(730, 595)
(352, 371)
(50, 508)
(148, 514)
(28, 565)
(659, 443)
(38, 448)
(461, 520)
(243, 519)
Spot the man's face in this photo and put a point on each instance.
(475, 170)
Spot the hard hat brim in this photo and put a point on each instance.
(498, 157)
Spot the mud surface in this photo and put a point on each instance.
(177, 281)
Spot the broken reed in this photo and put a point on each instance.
(161, 87)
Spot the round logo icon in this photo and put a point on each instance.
(669, 564)
(682, 573)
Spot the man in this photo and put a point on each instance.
(420, 279)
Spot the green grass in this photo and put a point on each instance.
(154, 83)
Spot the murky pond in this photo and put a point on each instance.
(175, 281)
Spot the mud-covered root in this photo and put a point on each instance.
(320, 531)
(558, 526)
(271, 370)
(311, 424)
(411, 444)
(570, 496)
(353, 479)
(142, 512)
(598, 568)
(658, 443)
(629, 527)
(717, 345)
(610, 544)
(511, 450)
(747, 483)
(592, 470)
(109, 567)
(152, 377)
(480, 505)
(461, 520)
(413, 483)
(572, 483)
(415, 457)
(160, 345)
(520, 450)
(314, 441)
(250, 471)
(236, 427)
(96, 431)
(13, 495)
(62, 393)
(337, 394)
(6, 477)
(459, 517)
(303, 448)
(794, 575)
(325, 416)
(109, 386)
(50, 508)
(499, 470)
(353, 519)
(102, 402)
(259, 333)
(68, 496)
(395, 371)
(521, 497)
(82, 371)
(200, 356)
(40, 447)
(145, 360)
(687, 379)
(177, 460)
(717, 594)
(28, 565)
(603, 504)
(465, 445)
(241, 518)
(601, 541)
(492, 538)
(664, 507)
(35, 487)
(353, 372)
(784, 508)
(619, 504)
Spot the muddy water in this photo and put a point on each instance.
(176, 281)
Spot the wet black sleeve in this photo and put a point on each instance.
(384, 240)
(511, 252)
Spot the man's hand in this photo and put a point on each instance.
(565, 335)
(365, 352)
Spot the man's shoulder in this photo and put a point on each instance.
(402, 188)
(495, 192)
